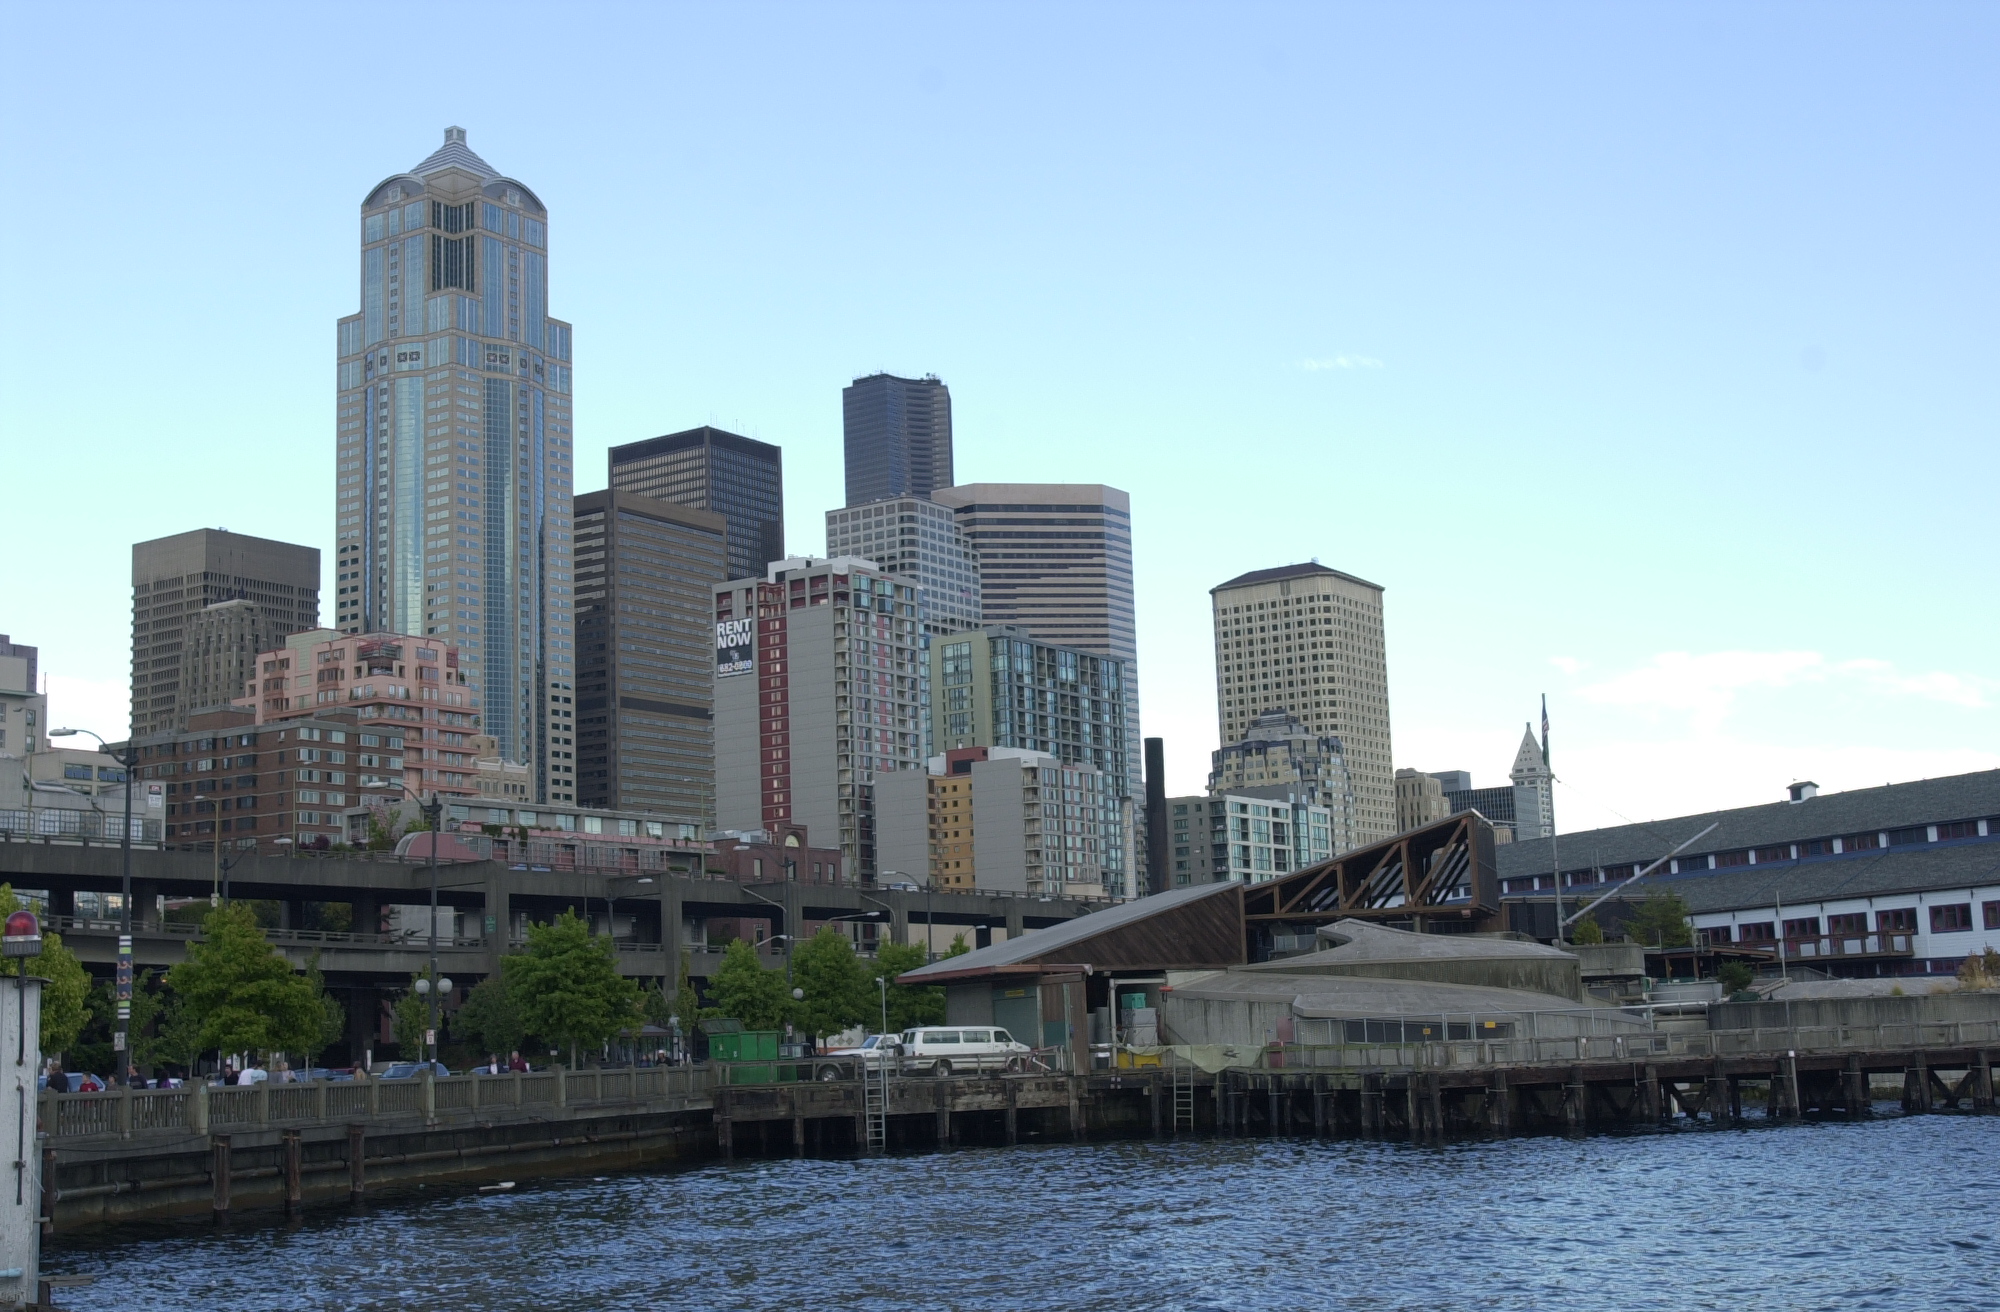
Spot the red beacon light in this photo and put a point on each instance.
(23, 936)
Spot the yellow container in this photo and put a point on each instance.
(1132, 1060)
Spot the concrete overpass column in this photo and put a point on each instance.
(62, 902)
(1014, 926)
(367, 912)
(671, 925)
(899, 922)
(497, 921)
(145, 902)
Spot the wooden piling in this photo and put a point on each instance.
(798, 1134)
(219, 1175)
(1854, 1088)
(1982, 1081)
(1371, 1105)
(1576, 1109)
(1274, 1100)
(1013, 1112)
(1153, 1098)
(1916, 1085)
(1319, 1106)
(295, 1196)
(1499, 1105)
(1432, 1098)
(1715, 1094)
(1647, 1110)
(943, 1109)
(357, 1162)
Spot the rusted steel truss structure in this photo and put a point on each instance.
(1438, 877)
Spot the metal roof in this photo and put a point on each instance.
(1041, 944)
(1886, 873)
(1858, 811)
(455, 154)
(1360, 995)
(1311, 568)
(1361, 941)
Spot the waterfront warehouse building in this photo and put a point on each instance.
(738, 478)
(645, 581)
(455, 445)
(1308, 641)
(1900, 880)
(820, 690)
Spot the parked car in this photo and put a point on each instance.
(407, 1070)
(325, 1073)
(868, 1055)
(944, 1049)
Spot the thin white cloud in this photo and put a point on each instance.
(1567, 664)
(1707, 685)
(1340, 362)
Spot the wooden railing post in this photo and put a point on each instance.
(197, 1107)
(125, 1110)
(562, 1086)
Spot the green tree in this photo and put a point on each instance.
(959, 947)
(1735, 977)
(742, 989)
(66, 996)
(332, 1016)
(566, 987)
(242, 995)
(687, 1003)
(839, 988)
(1661, 920)
(1586, 931)
(488, 1022)
(176, 1036)
(909, 1004)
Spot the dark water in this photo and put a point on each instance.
(1888, 1214)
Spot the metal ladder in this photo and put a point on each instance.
(875, 1105)
(1182, 1075)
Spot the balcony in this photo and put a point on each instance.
(1819, 947)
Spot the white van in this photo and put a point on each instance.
(945, 1049)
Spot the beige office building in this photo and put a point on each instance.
(192, 650)
(1308, 641)
(1419, 800)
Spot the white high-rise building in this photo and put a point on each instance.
(1307, 640)
(454, 467)
(920, 540)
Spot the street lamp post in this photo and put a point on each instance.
(129, 760)
(433, 814)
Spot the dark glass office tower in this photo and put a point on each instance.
(898, 437)
(645, 573)
(707, 469)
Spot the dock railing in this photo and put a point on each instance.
(202, 1108)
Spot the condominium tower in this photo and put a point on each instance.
(186, 657)
(820, 689)
(898, 437)
(454, 446)
(645, 580)
(1055, 559)
(1307, 640)
(738, 478)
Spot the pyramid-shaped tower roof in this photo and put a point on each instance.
(1528, 760)
(455, 154)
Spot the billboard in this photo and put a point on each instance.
(735, 647)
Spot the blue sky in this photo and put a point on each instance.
(1644, 354)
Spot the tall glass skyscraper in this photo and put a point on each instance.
(454, 467)
(897, 436)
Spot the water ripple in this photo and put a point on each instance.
(1820, 1216)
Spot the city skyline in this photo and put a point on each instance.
(1671, 417)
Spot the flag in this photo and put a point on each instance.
(1545, 731)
